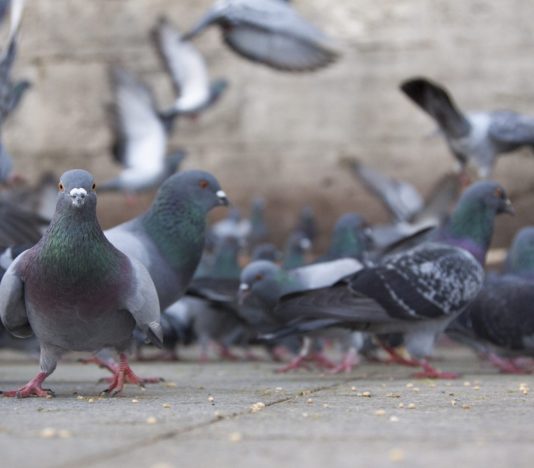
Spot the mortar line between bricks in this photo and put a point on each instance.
(129, 448)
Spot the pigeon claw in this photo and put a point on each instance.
(430, 372)
(31, 389)
(350, 360)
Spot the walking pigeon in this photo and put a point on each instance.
(77, 292)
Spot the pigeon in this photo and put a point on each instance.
(270, 32)
(265, 251)
(350, 238)
(188, 71)
(263, 283)
(259, 232)
(476, 138)
(11, 92)
(307, 224)
(417, 292)
(76, 291)
(499, 324)
(232, 226)
(169, 238)
(141, 137)
(295, 253)
(410, 212)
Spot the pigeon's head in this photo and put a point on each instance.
(352, 236)
(260, 278)
(199, 188)
(77, 190)
(520, 258)
(486, 195)
(266, 251)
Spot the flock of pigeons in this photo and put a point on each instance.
(166, 278)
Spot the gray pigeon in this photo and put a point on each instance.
(476, 138)
(169, 238)
(351, 238)
(265, 251)
(257, 302)
(77, 292)
(18, 225)
(140, 137)
(417, 292)
(499, 324)
(270, 32)
(188, 71)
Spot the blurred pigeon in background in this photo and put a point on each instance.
(270, 32)
(188, 72)
(475, 138)
(74, 268)
(295, 252)
(350, 238)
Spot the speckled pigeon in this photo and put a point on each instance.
(476, 138)
(188, 71)
(499, 324)
(270, 32)
(416, 292)
(76, 291)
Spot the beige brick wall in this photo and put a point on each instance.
(275, 134)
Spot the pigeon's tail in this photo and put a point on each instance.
(154, 333)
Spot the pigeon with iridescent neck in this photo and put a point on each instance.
(499, 324)
(418, 292)
(350, 238)
(76, 291)
(169, 238)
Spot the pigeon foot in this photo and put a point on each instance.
(430, 372)
(350, 360)
(507, 366)
(32, 389)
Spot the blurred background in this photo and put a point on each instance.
(273, 134)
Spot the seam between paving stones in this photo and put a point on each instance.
(167, 435)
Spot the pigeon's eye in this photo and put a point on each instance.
(61, 187)
(203, 183)
(94, 186)
(258, 277)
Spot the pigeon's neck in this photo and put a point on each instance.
(178, 229)
(74, 248)
(470, 228)
(345, 243)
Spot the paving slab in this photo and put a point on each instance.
(242, 414)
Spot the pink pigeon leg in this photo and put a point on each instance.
(32, 388)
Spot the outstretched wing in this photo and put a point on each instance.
(510, 128)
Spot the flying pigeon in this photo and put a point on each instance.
(169, 238)
(77, 292)
(188, 71)
(140, 137)
(417, 292)
(476, 138)
(270, 32)
(499, 324)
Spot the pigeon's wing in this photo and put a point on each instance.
(440, 200)
(436, 101)
(140, 129)
(19, 226)
(511, 129)
(12, 303)
(400, 198)
(270, 32)
(320, 275)
(428, 281)
(142, 302)
(182, 60)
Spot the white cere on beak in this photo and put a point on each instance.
(78, 196)
(221, 195)
(244, 287)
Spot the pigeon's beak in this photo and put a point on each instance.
(77, 196)
(508, 208)
(223, 199)
(244, 292)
